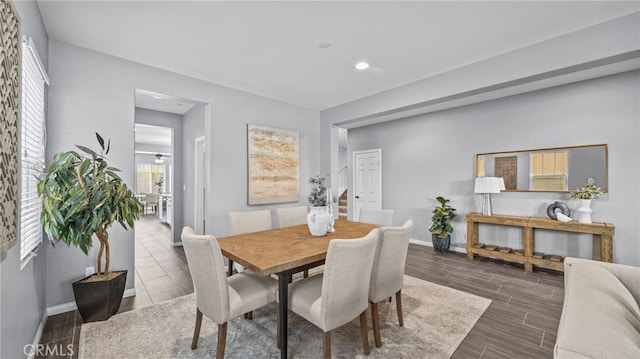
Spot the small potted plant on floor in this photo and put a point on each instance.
(81, 196)
(440, 227)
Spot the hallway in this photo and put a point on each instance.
(161, 270)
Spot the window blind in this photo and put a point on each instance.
(32, 145)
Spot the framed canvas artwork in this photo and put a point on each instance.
(273, 159)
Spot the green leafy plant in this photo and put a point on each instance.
(318, 196)
(588, 191)
(82, 196)
(440, 218)
(159, 182)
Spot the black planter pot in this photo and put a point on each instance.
(440, 245)
(99, 300)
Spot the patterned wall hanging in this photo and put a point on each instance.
(9, 115)
(274, 157)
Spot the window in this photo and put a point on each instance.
(32, 144)
(150, 178)
(549, 171)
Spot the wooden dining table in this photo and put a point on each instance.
(285, 251)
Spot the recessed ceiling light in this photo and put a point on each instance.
(324, 45)
(362, 65)
(156, 97)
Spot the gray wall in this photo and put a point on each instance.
(193, 127)
(171, 120)
(94, 92)
(431, 155)
(22, 292)
(589, 50)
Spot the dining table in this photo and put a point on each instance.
(284, 252)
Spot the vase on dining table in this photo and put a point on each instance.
(318, 220)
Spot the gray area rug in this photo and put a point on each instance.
(436, 320)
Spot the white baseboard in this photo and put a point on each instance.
(176, 244)
(61, 308)
(71, 306)
(39, 332)
(429, 244)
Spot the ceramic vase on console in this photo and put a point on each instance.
(583, 213)
(318, 220)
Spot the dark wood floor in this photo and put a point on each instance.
(521, 321)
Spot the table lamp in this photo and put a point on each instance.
(487, 186)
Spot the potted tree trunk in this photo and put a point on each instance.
(440, 227)
(81, 196)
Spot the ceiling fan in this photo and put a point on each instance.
(159, 158)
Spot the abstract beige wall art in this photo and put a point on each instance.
(274, 157)
(9, 100)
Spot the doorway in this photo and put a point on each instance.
(367, 180)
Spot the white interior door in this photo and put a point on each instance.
(199, 187)
(367, 180)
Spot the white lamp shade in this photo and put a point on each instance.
(489, 185)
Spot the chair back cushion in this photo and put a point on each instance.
(291, 216)
(346, 279)
(381, 217)
(250, 221)
(151, 198)
(388, 264)
(207, 273)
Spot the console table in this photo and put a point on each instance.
(602, 239)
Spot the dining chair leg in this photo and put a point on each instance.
(376, 324)
(222, 340)
(248, 315)
(279, 340)
(399, 307)
(196, 331)
(305, 274)
(364, 332)
(326, 344)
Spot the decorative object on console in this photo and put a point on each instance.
(584, 195)
(556, 208)
(563, 218)
(487, 186)
(318, 218)
(440, 227)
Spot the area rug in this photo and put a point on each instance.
(436, 320)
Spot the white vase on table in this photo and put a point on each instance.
(318, 220)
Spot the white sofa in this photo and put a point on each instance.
(601, 312)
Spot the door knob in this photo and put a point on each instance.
(357, 197)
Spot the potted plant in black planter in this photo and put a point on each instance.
(81, 196)
(441, 228)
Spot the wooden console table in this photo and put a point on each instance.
(602, 239)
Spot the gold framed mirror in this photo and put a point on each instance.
(556, 169)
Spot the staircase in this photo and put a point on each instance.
(342, 205)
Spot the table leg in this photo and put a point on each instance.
(528, 240)
(230, 269)
(283, 292)
(472, 237)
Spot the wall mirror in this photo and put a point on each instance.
(559, 169)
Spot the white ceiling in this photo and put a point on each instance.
(274, 48)
(152, 135)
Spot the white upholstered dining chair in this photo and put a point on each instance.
(219, 297)
(388, 272)
(291, 216)
(248, 222)
(339, 295)
(381, 217)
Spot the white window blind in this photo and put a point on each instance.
(32, 144)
